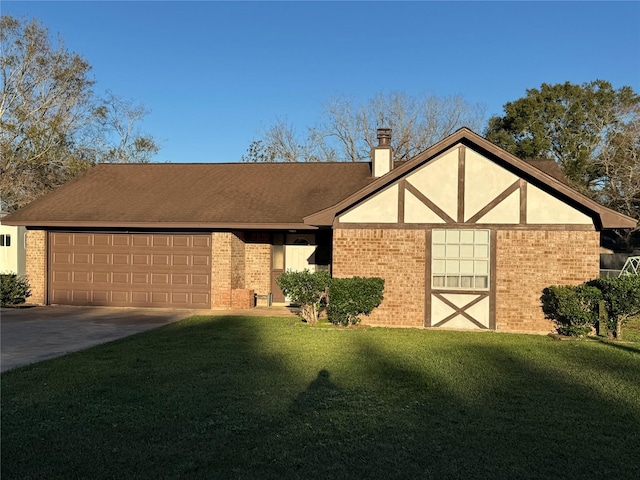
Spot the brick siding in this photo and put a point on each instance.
(258, 267)
(530, 260)
(36, 265)
(397, 256)
(239, 262)
(242, 299)
(221, 269)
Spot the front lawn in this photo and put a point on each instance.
(252, 398)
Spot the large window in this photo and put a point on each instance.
(460, 259)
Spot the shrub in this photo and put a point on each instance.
(13, 289)
(306, 289)
(621, 300)
(351, 297)
(573, 309)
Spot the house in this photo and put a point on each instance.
(12, 248)
(465, 234)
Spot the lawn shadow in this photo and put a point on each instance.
(237, 397)
(627, 347)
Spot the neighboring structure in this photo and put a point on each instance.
(12, 249)
(464, 234)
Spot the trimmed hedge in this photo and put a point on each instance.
(351, 297)
(576, 310)
(346, 298)
(306, 289)
(14, 289)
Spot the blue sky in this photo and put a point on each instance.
(214, 74)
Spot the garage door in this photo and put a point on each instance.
(130, 270)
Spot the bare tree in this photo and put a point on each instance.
(46, 95)
(619, 162)
(115, 137)
(348, 128)
(52, 126)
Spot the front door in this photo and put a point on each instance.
(298, 254)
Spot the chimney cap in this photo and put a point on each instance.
(384, 137)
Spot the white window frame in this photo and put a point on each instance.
(460, 259)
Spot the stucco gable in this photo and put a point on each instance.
(466, 179)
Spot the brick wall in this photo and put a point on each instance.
(221, 269)
(237, 262)
(258, 267)
(242, 299)
(528, 261)
(36, 267)
(398, 257)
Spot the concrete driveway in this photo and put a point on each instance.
(28, 335)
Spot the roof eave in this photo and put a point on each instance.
(162, 225)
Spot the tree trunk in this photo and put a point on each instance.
(619, 329)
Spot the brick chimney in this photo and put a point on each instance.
(382, 155)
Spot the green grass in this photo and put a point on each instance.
(247, 398)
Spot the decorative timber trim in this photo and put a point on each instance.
(402, 185)
(461, 179)
(496, 201)
(427, 278)
(493, 260)
(523, 202)
(420, 196)
(462, 310)
(462, 226)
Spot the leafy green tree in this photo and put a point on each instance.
(592, 130)
(621, 298)
(52, 126)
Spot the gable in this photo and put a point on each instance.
(462, 185)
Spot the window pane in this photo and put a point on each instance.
(438, 251)
(278, 257)
(438, 236)
(481, 267)
(439, 266)
(466, 266)
(482, 251)
(452, 281)
(1, 240)
(453, 266)
(453, 251)
(466, 236)
(438, 281)
(7, 241)
(453, 236)
(482, 236)
(482, 282)
(466, 251)
(466, 282)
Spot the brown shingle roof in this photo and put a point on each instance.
(550, 167)
(201, 195)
